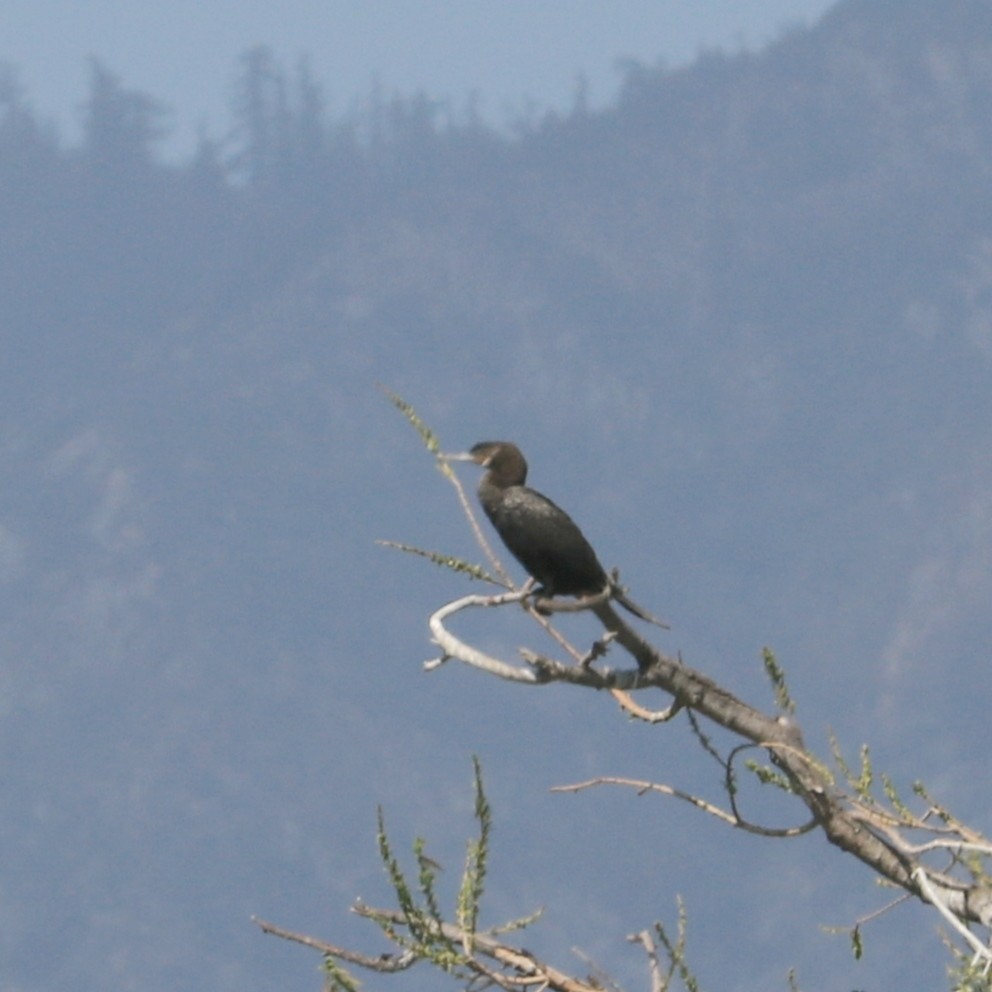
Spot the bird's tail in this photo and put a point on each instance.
(617, 592)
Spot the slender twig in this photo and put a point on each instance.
(539, 670)
(707, 807)
(449, 473)
(629, 705)
(646, 939)
(531, 972)
(381, 962)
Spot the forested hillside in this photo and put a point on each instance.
(741, 324)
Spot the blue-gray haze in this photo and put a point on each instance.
(741, 325)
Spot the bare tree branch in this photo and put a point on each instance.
(847, 823)
(522, 969)
(731, 818)
(646, 939)
(884, 834)
(381, 962)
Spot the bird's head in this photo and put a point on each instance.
(504, 460)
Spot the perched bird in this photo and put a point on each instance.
(537, 532)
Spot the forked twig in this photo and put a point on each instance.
(707, 807)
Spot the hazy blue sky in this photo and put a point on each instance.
(184, 52)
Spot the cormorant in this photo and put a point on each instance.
(537, 532)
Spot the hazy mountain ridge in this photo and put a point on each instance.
(740, 323)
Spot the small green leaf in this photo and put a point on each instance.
(856, 945)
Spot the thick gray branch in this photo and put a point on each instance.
(834, 811)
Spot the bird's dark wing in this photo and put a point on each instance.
(547, 542)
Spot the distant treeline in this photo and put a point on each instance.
(284, 174)
(869, 124)
(280, 126)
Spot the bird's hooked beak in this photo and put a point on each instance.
(458, 456)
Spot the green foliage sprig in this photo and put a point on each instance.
(430, 439)
(776, 675)
(421, 929)
(474, 875)
(676, 951)
(456, 564)
(862, 781)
